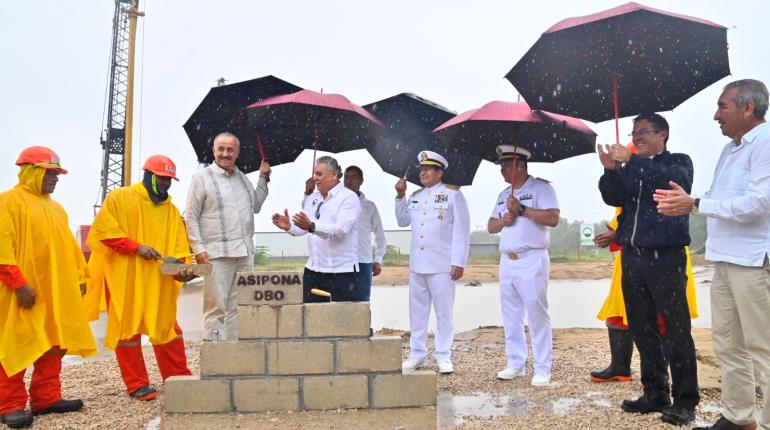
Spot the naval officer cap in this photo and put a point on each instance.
(508, 152)
(430, 158)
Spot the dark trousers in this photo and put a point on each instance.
(363, 288)
(654, 282)
(340, 285)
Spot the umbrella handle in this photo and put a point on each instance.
(315, 151)
(261, 148)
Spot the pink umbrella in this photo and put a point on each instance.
(289, 123)
(549, 137)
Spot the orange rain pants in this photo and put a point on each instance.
(44, 390)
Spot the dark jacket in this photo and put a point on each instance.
(632, 186)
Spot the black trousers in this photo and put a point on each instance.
(655, 282)
(340, 285)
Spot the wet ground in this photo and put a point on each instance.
(469, 399)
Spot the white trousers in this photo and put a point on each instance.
(220, 305)
(439, 289)
(523, 290)
(740, 319)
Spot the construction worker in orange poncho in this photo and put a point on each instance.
(42, 277)
(136, 227)
(613, 311)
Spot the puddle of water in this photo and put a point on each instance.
(710, 408)
(454, 410)
(561, 407)
(600, 399)
(154, 424)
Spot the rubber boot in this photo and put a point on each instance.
(621, 348)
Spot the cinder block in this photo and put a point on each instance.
(337, 319)
(269, 288)
(232, 358)
(333, 392)
(269, 322)
(377, 354)
(190, 394)
(398, 390)
(300, 358)
(271, 394)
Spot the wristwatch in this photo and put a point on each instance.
(695, 206)
(521, 210)
(311, 229)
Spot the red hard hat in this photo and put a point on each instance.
(42, 157)
(161, 166)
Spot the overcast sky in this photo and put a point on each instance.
(55, 58)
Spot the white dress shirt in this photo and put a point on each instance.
(369, 223)
(440, 228)
(333, 247)
(525, 234)
(738, 203)
(219, 215)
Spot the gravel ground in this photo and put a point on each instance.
(471, 398)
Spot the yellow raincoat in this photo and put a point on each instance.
(614, 306)
(141, 300)
(35, 236)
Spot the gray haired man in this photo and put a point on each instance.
(737, 208)
(329, 217)
(219, 217)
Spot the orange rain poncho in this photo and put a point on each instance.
(615, 306)
(35, 236)
(141, 300)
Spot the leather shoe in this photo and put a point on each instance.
(411, 365)
(725, 424)
(647, 404)
(445, 366)
(61, 407)
(510, 373)
(17, 419)
(145, 393)
(678, 415)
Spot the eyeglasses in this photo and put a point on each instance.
(318, 210)
(643, 132)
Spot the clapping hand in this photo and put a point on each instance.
(282, 221)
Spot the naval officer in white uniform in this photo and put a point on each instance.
(440, 224)
(523, 220)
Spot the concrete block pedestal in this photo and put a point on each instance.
(292, 356)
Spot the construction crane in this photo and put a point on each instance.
(116, 139)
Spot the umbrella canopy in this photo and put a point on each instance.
(408, 120)
(290, 123)
(224, 109)
(549, 137)
(657, 60)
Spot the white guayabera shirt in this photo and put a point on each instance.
(219, 215)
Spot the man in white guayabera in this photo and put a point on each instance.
(219, 217)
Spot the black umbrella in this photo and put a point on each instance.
(306, 119)
(409, 120)
(224, 109)
(623, 61)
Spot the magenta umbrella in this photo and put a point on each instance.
(549, 137)
(290, 123)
